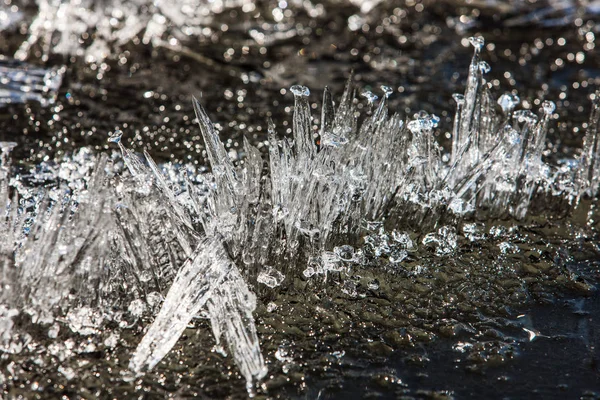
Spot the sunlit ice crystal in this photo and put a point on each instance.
(387, 91)
(370, 96)
(115, 137)
(299, 90)
(423, 122)
(208, 279)
(508, 102)
(477, 42)
(62, 26)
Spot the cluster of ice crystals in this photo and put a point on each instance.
(94, 30)
(107, 244)
(445, 240)
(63, 26)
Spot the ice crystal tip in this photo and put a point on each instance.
(370, 96)
(459, 98)
(300, 91)
(477, 42)
(115, 137)
(387, 90)
(484, 67)
(508, 102)
(423, 122)
(548, 107)
(5, 149)
(525, 116)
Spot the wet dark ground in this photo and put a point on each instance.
(480, 324)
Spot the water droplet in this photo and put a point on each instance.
(477, 42)
(116, 136)
(548, 107)
(299, 90)
(370, 96)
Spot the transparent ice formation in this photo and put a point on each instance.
(104, 244)
(21, 82)
(94, 30)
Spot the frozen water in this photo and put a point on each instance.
(21, 82)
(106, 242)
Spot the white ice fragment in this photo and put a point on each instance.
(308, 272)
(397, 256)
(484, 67)
(345, 253)
(53, 331)
(68, 372)
(403, 240)
(445, 240)
(136, 308)
(270, 277)
(387, 91)
(498, 231)
(338, 354)
(423, 122)
(349, 288)
(112, 340)
(462, 347)
(525, 116)
(473, 231)
(373, 285)
(84, 320)
(6, 322)
(284, 354)
(331, 262)
(271, 307)
(508, 248)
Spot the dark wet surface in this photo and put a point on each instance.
(461, 329)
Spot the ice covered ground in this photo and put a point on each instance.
(117, 233)
(355, 231)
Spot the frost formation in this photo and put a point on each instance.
(90, 245)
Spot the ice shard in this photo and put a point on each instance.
(208, 279)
